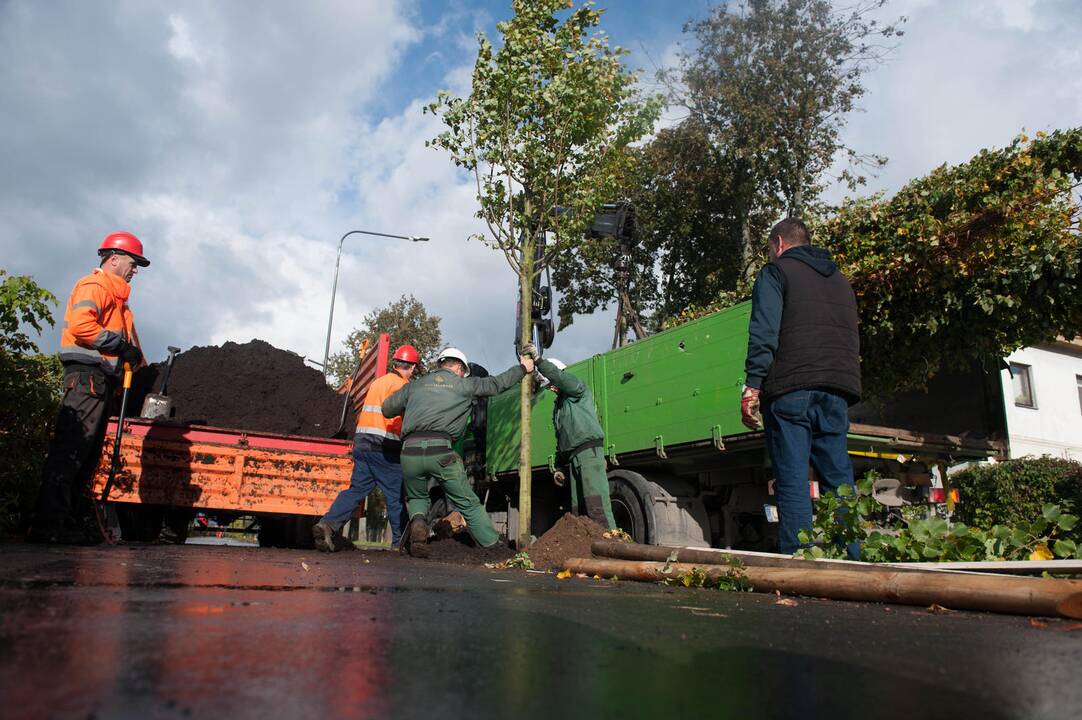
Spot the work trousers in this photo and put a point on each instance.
(76, 447)
(446, 469)
(371, 469)
(802, 427)
(590, 486)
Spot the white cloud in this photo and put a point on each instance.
(1013, 14)
(239, 141)
(965, 77)
(180, 43)
(219, 133)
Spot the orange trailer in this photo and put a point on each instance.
(287, 480)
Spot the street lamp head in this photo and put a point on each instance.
(334, 287)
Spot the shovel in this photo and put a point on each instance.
(106, 515)
(160, 405)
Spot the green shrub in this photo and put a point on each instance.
(30, 387)
(1013, 492)
(846, 517)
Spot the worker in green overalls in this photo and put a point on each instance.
(579, 441)
(434, 410)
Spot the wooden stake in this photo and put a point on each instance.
(1014, 595)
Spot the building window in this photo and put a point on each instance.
(1022, 380)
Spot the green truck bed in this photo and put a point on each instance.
(676, 387)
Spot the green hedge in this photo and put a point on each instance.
(1013, 492)
(30, 385)
(29, 394)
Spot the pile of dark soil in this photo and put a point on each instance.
(570, 537)
(456, 551)
(251, 386)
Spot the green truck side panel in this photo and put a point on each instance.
(668, 389)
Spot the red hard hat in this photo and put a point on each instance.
(407, 353)
(126, 243)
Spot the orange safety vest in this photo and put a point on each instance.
(97, 318)
(371, 420)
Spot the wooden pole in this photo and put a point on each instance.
(698, 556)
(525, 467)
(662, 553)
(1014, 595)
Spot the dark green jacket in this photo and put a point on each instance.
(574, 415)
(441, 401)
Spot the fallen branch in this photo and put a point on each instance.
(661, 553)
(1014, 595)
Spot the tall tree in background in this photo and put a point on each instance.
(771, 84)
(682, 251)
(406, 320)
(767, 87)
(543, 132)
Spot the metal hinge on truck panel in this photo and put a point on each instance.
(611, 452)
(552, 464)
(659, 447)
(715, 435)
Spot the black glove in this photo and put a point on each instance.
(130, 354)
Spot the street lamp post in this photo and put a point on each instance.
(334, 287)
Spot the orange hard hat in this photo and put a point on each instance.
(407, 353)
(126, 243)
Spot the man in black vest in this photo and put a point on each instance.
(803, 371)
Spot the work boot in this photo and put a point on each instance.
(323, 536)
(341, 542)
(415, 539)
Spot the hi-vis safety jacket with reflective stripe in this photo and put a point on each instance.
(97, 320)
(371, 421)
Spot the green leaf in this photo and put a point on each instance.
(1065, 548)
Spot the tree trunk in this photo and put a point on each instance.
(747, 250)
(525, 475)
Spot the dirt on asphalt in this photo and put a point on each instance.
(460, 550)
(251, 386)
(570, 537)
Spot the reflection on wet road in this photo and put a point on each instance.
(236, 632)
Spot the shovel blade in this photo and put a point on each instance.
(157, 406)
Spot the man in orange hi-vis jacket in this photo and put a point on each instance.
(97, 339)
(377, 450)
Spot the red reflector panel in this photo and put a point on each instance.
(937, 495)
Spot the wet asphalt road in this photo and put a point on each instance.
(228, 632)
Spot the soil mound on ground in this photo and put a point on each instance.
(454, 551)
(570, 537)
(251, 386)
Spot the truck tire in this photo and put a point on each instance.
(299, 531)
(627, 509)
(270, 531)
(287, 531)
(139, 523)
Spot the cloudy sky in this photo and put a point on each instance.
(240, 140)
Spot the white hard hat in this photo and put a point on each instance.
(560, 365)
(455, 354)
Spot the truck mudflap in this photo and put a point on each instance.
(224, 469)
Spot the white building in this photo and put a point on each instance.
(1043, 400)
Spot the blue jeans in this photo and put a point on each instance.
(802, 427)
(370, 468)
